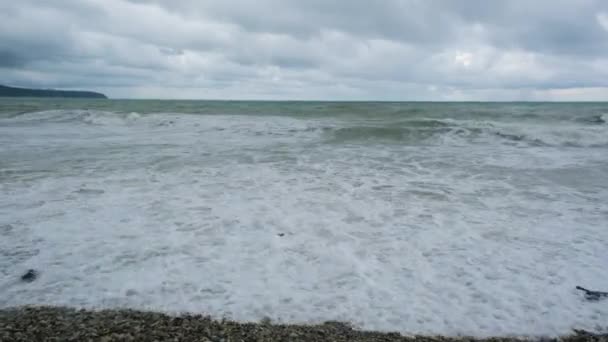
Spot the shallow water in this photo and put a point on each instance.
(467, 218)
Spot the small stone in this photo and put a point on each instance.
(29, 276)
(281, 234)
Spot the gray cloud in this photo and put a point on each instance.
(317, 49)
(8, 59)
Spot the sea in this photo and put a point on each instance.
(472, 219)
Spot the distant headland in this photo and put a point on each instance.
(25, 92)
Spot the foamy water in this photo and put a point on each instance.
(438, 224)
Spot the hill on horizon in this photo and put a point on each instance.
(6, 91)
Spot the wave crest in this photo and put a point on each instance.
(459, 132)
(412, 131)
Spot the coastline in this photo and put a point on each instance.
(31, 323)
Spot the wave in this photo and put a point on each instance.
(591, 132)
(462, 132)
(600, 119)
(90, 117)
(416, 133)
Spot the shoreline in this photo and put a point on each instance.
(34, 323)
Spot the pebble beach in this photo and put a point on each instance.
(67, 324)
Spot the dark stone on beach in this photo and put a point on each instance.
(281, 234)
(29, 276)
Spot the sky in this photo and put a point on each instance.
(437, 50)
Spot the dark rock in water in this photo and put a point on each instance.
(84, 191)
(593, 295)
(29, 276)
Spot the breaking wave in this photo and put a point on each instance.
(591, 131)
(471, 132)
(599, 119)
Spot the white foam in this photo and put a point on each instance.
(183, 212)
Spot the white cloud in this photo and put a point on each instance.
(463, 59)
(602, 19)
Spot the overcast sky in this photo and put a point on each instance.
(310, 49)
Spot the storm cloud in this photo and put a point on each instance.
(315, 49)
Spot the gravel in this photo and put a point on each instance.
(66, 324)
